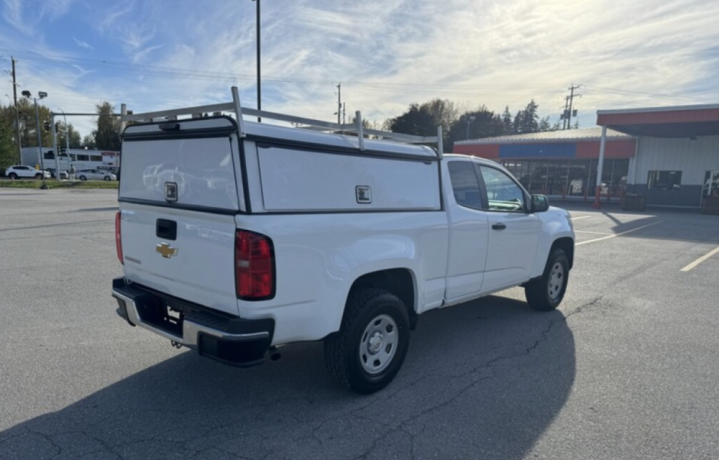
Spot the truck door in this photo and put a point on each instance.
(469, 231)
(513, 233)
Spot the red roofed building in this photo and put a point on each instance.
(668, 154)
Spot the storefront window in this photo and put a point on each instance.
(578, 177)
(664, 180)
(538, 176)
(556, 177)
(620, 172)
(711, 184)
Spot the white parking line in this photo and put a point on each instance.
(581, 217)
(593, 233)
(617, 234)
(700, 260)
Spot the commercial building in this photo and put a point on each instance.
(670, 155)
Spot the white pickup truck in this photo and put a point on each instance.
(237, 237)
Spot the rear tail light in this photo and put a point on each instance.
(254, 266)
(118, 236)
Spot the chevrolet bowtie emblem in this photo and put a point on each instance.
(165, 250)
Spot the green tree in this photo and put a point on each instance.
(527, 120)
(8, 152)
(28, 126)
(422, 120)
(414, 121)
(88, 142)
(544, 124)
(506, 121)
(443, 112)
(476, 124)
(75, 137)
(107, 134)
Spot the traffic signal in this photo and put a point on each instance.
(47, 126)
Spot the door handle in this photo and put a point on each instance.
(498, 227)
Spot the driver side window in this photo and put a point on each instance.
(503, 194)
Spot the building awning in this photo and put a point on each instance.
(567, 144)
(669, 122)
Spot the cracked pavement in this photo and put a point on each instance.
(626, 367)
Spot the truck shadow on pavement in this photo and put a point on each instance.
(482, 380)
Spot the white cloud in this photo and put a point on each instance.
(387, 54)
(55, 9)
(13, 15)
(83, 44)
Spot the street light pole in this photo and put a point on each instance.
(259, 90)
(41, 95)
(470, 119)
(67, 139)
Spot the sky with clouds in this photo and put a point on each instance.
(386, 54)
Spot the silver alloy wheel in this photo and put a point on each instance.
(556, 281)
(378, 344)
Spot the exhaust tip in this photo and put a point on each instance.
(274, 354)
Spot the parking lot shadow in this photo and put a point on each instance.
(482, 380)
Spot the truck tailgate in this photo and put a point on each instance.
(180, 188)
(196, 265)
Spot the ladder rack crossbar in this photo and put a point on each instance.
(309, 123)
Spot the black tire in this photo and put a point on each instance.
(12, 176)
(107, 178)
(366, 309)
(546, 293)
(83, 178)
(38, 176)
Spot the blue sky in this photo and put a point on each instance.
(386, 54)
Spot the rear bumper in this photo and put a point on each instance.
(231, 340)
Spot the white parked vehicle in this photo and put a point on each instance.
(238, 237)
(94, 174)
(25, 172)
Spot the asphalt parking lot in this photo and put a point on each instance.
(627, 368)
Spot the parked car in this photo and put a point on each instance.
(94, 174)
(28, 172)
(63, 173)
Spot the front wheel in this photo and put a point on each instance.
(369, 349)
(38, 176)
(547, 292)
(83, 178)
(107, 178)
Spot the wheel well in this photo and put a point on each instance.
(567, 245)
(398, 281)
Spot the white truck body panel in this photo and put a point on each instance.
(302, 180)
(319, 256)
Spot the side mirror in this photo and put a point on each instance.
(540, 203)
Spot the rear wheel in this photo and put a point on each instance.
(369, 349)
(547, 292)
(83, 178)
(12, 176)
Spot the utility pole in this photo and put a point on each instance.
(17, 112)
(339, 102)
(565, 113)
(571, 99)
